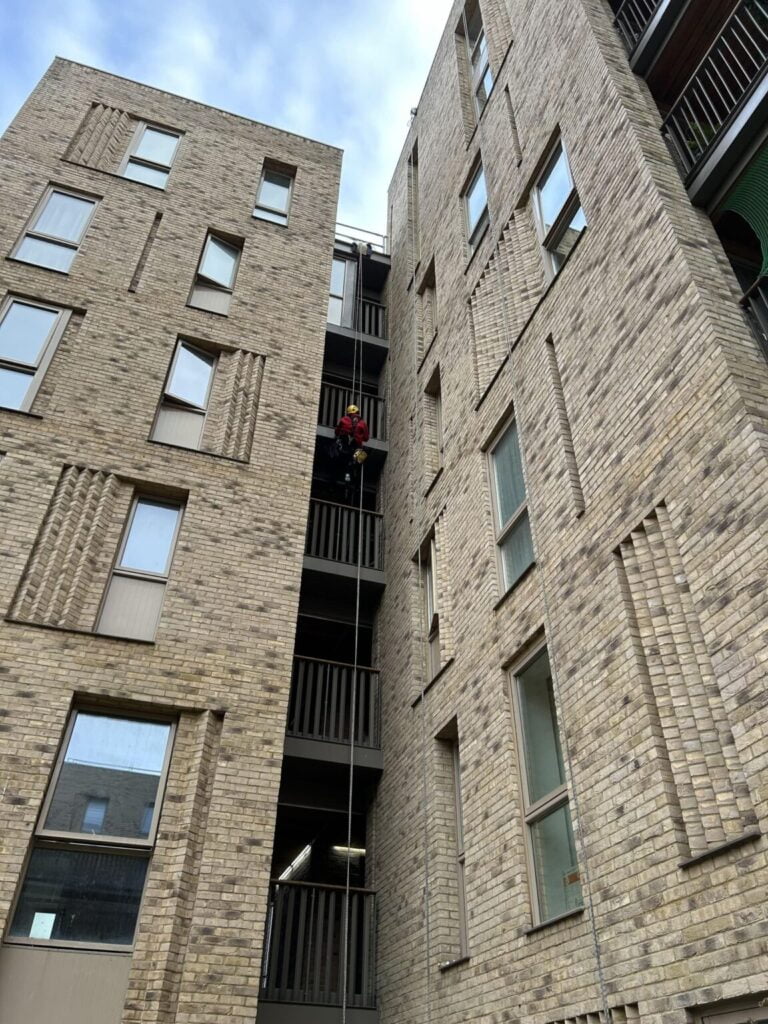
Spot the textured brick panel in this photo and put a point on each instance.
(102, 139)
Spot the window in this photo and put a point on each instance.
(555, 876)
(477, 50)
(184, 404)
(429, 583)
(476, 207)
(426, 310)
(134, 596)
(559, 215)
(274, 196)
(151, 154)
(56, 230)
(216, 274)
(433, 426)
(341, 302)
(29, 334)
(89, 860)
(513, 529)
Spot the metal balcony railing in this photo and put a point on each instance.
(755, 302)
(733, 66)
(304, 948)
(332, 533)
(348, 234)
(333, 404)
(633, 18)
(373, 319)
(321, 703)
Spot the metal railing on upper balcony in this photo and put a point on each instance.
(373, 319)
(632, 19)
(321, 703)
(349, 235)
(335, 399)
(735, 63)
(333, 533)
(304, 947)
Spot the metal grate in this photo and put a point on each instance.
(332, 533)
(321, 702)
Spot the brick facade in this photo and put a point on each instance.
(641, 400)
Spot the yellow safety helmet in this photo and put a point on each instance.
(352, 410)
(360, 456)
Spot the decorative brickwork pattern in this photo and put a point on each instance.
(60, 575)
(714, 801)
(102, 138)
(234, 405)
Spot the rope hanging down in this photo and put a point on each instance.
(356, 378)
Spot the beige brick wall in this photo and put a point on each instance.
(655, 397)
(222, 655)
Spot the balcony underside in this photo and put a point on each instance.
(300, 1013)
(332, 753)
(677, 38)
(338, 580)
(340, 348)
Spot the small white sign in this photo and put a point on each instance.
(42, 926)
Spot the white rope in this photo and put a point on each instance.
(353, 705)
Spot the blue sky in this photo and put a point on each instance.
(346, 72)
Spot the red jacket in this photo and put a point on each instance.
(353, 427)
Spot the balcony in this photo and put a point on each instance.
(724, 104)
(333, 404)
(644, 25)
(302, 975)
(755, 302)
(333, 535)
(320, 719)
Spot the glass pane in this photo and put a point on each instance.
(24, 332)
(275, 190)
(45, 254)
(517, 551)
(111, 768)
(191, 376)
(157, 146)
(477, 200)
(479, 55)
(568, 239)
(219, 262)
(558, 881)
(95, 813)
(148, 547)
(270, 215)
(335, 307)
(474, 22)
(64, 216)
(146, 175)
(508, 475)
(554, 189)
(13, 388)
(338, 272)
(80, 896)
(543, 760)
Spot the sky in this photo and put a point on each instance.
(345, 72)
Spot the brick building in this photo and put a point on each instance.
(243, 779)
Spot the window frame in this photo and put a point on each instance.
(170, 401)
(209, 282)
(145, 574)
(258, 205)
(39, 208)
(87, 842)
(461, 848)
(47, 352)
(430, 604)
(131, 157)
(549, 239)
(503, 530)
(475, 235)
(539, 809)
